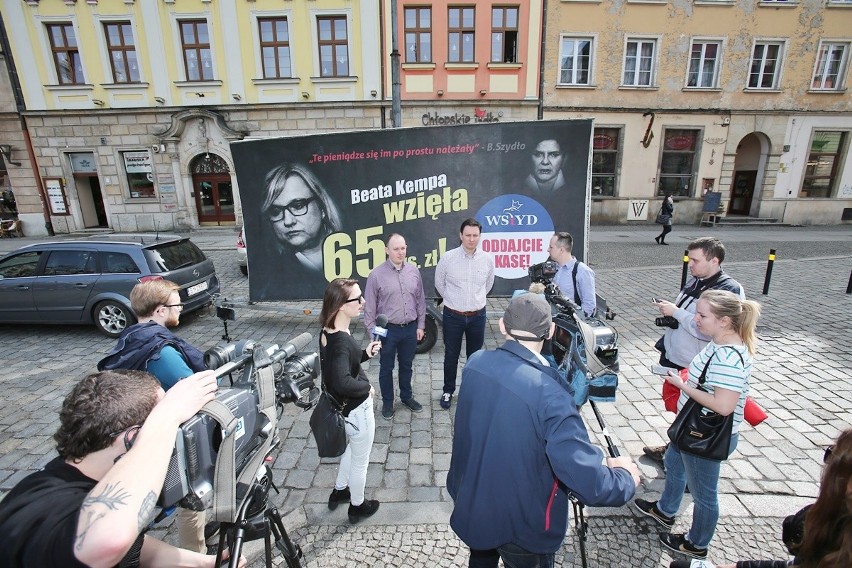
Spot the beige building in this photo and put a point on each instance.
(746, 98)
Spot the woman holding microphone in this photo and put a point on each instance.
(346, 382)
(726, 364)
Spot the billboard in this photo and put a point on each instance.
(321, 207)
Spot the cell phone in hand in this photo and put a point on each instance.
(661, 370)
(656, 300)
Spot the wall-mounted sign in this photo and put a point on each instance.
(479, 115)
(55, 188)
(637, 210)
(137, 162)
(83, 163)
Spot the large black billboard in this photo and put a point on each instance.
(320, 207)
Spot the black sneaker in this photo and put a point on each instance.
(678, 543)
(446, 400)
(387, 411)
(338, 496)
(413, 405)
(649, 509)
(656, 453)
(362, 511)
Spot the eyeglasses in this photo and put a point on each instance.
(129, 435)
(359, 299)
(297, 208)
(178, 306)
(827, 455)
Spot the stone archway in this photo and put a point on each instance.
(749, 172)
(212, 188)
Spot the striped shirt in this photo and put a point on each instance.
(464, 279)
(728, 370)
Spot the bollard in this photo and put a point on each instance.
(768, 276)
(849, 286)
(685, 270)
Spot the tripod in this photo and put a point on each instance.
(255, 520)
(580, 525)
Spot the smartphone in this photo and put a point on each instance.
(660, 370)
(656, 300)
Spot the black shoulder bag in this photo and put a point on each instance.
(700, 431)
(327, 423)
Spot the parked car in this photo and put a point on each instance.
(89, 281)
(241, 252)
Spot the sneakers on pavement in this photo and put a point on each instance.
(649, 509)
(656, 453)
(387, 411)
(338, 496)
(679, 543)
(413, 405)
(446, 400)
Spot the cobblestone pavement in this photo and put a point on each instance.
(802, 378)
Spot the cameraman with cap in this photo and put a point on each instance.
(520, 446)
(682, 341)
(90, 505)
(150, 346)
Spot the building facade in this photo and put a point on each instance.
(120, 114)
(746, 98)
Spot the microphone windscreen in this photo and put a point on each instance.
(381, 320)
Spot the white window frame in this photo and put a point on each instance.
(705, 41)
(640, 40)
(258, 59)
(177, 19)
(779, 66)
(47, 49)
(592, 39)
(840, 84)
(315, 14)
(103, 47)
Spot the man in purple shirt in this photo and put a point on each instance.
(395, 290)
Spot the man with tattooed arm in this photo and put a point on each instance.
(91, 505)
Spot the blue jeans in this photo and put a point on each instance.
(513, 557)
(401, 344)
(456, 326)
(703, 478)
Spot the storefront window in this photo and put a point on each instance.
(605, 146)
(823, 167)
(677, 163)
(140, 174)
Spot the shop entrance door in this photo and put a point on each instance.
(214, 194)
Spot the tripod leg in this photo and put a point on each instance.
(292, 552)
(580, 528)
(237, 545)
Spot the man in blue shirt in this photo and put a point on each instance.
(149, 346)
(520, 446)
(576, 281)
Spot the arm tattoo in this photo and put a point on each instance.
(146, 510)
(111, 497)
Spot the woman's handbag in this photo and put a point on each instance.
(663, 218)
(328, 426)
(700, 431)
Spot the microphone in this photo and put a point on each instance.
(379, 330)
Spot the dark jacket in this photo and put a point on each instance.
(342, 374)
(142, 342)
(519, 446)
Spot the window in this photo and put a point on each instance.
(765, 65)
(677, 164)
(70, 262)
(461, 34)
(831, 66)
(639, 63)
(122, 52)
(333, 46)
(418, 35)
(605, 145)
(197, 58)
(140, 174)
(504, 35)
(20, 265)
(704, 64)
(275, 47)
(66, 56)
(824, 161)
(118, 263)
(575, 61)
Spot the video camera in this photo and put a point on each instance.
(266, 380)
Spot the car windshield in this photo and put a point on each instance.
(174, 255)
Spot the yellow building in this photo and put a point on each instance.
(745, 98)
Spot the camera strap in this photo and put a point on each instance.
(225, 480)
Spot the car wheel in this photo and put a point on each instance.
(430, 336)
(111, 318)
(244, 269)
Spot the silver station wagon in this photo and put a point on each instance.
(89, 281)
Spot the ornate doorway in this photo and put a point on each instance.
(214, 194)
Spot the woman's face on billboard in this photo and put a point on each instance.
(296, 214)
